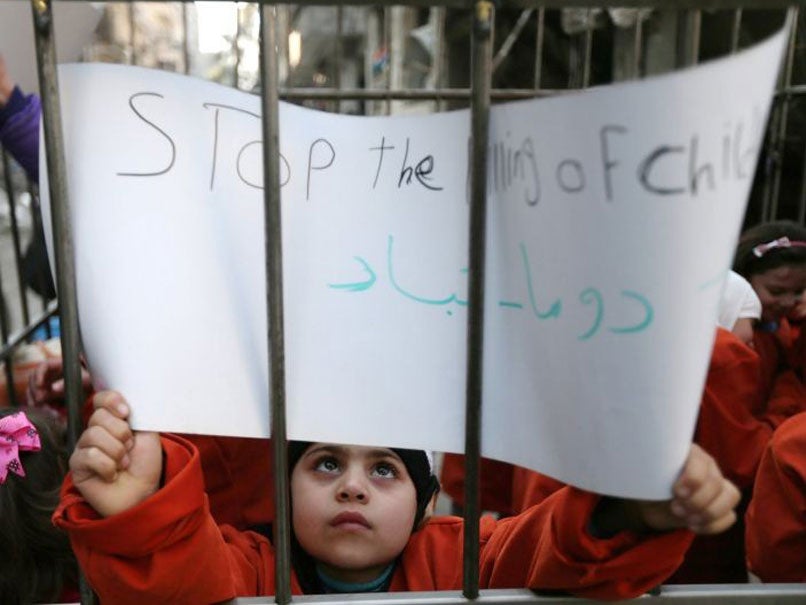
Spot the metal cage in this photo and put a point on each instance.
(504, 50)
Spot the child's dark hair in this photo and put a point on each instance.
(35, 557)
(760, 248)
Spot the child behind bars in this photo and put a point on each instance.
(135, 510)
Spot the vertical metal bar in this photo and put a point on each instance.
(236, 46)
(802, 201)
(770, 160)
(691, 37)
(36, 221)
(132, 29)
(339, 52)
(15, 236)
(185, 40)
(483, 19)
(784, 115)
(736, 30)
(397, 46)
(274, 272)
(539, 42)
(5, 330)
(61, 225)
(588, 50)
(440, 51)
(373, 45)
(638, 48)
(387, 16)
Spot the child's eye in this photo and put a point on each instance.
(384, 471)
(327, 465)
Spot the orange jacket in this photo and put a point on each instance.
(776, 517)
(495, 483)
(168, 549)
(233, 470)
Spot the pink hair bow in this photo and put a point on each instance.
(17, 434)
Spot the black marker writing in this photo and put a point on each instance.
(322, 166)
(155, 127)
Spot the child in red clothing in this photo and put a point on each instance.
(772, 257)
(776, 518)
(136, 513)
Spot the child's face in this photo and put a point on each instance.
(353, 508)
(779, 290)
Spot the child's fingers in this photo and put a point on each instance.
(112, 401)
(701, 488)
(115, 444)
(95, 457)
(698, 467)
(114, 426)
(704, 499)
(720, 513)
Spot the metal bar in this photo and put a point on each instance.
(586, 55)
(521, 4)
(236, 47)
(36, 221)
(446, 93)
(17, 338)
(539, 42)
(770, 160)
(691, 38)
(274, 273)
(339, 52)
(8, 367)
(61, 226)
(638, 48)
(481, 43)
(498, 94)
(513, 36)
(397, 50)
(387, 43)
(185, 40)
(132, 29)
(736, 30)
(802, 201)
(440, 54)
(713, 594)
(784, 119)
(15, 236)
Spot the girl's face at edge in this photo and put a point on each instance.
(780, 290)
(353, 508)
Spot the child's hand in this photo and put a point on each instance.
(704, 502)
(113, 467)
(46, 383)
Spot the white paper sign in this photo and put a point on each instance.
(74, 24)
(613, 214)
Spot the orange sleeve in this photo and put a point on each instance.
(727, 427)
(788, 398)
(495, 482)
(549, 548)
(530, 487)
(776, 517)
(773, 356)
(167, 549)
(237, 479)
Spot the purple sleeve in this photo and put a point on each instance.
(19, 130)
